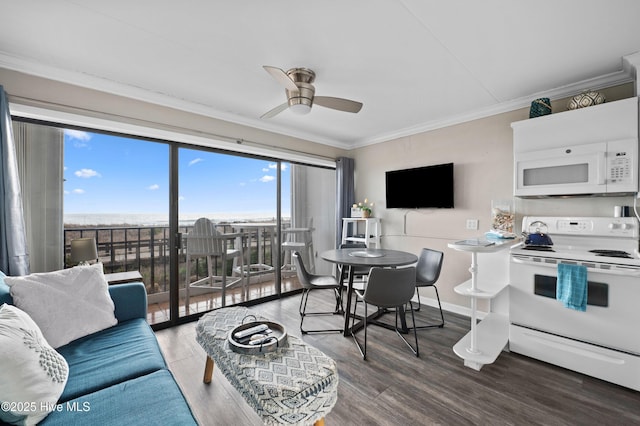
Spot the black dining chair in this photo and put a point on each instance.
(311, 282)
(388, 288)
(427, 273)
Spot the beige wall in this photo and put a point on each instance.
(482, 152)
(482, 156)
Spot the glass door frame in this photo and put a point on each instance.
(176, 241)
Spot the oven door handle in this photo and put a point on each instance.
(628, 272)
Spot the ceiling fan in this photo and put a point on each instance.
(301, 93)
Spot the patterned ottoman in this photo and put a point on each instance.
(294, 385)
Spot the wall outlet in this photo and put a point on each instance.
(472, 224)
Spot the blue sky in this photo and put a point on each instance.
(107, 174)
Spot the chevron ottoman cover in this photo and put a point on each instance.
(294, 385)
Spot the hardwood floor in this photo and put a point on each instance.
(393, 387)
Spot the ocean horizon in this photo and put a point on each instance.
(161, 219)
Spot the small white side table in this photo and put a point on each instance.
(372, 231)
(485, 341)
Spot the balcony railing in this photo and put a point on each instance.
(146, 249)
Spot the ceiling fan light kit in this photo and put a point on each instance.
(301, 93)
(300, 108)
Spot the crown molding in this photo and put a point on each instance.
(631, 63)
(626, 75)
(137, 93)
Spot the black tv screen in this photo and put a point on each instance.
(422, 187)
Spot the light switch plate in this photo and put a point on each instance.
(472, 224)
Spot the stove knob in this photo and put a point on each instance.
(627, 226)
(614, 226)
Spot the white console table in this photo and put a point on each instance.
(371, 234)
(486, 340)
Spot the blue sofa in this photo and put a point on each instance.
(118, 376)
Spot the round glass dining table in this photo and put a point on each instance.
(364, 257)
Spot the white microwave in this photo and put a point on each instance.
(600, 168)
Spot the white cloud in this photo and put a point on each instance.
(153, 187)
(265, 169)
(195, 161)
(267, 178)
(77, 135)
(87, 173)
(78, 191)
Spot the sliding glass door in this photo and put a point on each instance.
(228, 221)
(311, 200)
(200, 228)
(116, 190)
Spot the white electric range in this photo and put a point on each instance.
(603, 341)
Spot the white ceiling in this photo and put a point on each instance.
(415, 64)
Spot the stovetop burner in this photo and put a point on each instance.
(612, 253)
(610, 242)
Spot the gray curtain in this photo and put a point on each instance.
(345, 192)
(14, 257)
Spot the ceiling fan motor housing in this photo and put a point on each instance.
(301, 93)
(302, 77)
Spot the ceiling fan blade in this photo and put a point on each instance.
(275, 111)
(337, 103)
(281, 77)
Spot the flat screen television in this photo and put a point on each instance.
(422, 187)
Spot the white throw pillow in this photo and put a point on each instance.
(32, 374)
(66, 304)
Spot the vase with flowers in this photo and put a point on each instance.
(365, 208)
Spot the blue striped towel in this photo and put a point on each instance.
(571, 288)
